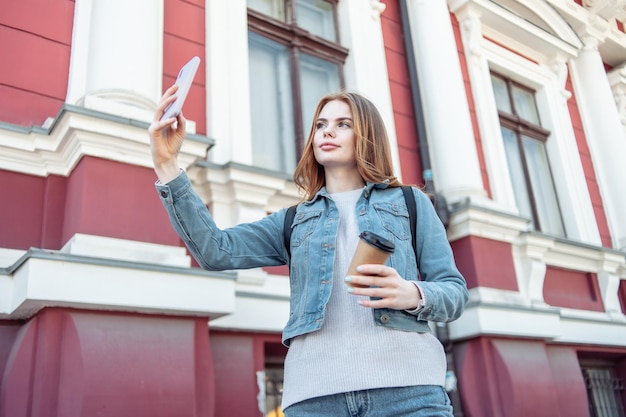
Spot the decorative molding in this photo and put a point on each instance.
(76, 132)
(617, 80)
(560, 69)
(607, 9)
(378, 8)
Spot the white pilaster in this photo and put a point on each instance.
(366, 66)
(452, 148)
(604, 133)
(117, 55)
(228, 81)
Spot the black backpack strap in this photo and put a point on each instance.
(289, 215)
(411, 206)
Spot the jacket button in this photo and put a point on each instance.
(164, 194)
(384, 318)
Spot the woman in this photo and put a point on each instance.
(362, 349)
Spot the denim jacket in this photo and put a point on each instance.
(380, 209)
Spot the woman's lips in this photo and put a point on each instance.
(327, 146)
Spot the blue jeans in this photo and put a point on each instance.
(416, 401)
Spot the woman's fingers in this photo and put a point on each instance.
(385, 283)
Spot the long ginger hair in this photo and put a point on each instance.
(373, 153)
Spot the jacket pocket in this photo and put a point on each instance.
(395, 219)
(303, 225)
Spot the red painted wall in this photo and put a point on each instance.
(621, 293)
(68, 363)
(184, 38)
(108, 198)
(34, 35)
(237, 357)
(572, 289)
(100, 197)
(31, 211)
(399, 83)
(519, 378)
(485, 263)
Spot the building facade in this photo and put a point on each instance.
(511, 113)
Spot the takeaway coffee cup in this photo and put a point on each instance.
(372, 249)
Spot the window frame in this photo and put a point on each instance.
(522, 127)
(298, 40)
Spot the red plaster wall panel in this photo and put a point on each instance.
(108, 198)
(235, 369)
(128, 366)
(400, 85)
(485, 263)
(8, 334)
(621, 293)
(26, 108)
(78, 364)
(34, 16)
(572, 289)
(53, 209)
(21, 210)
(501, 378)
(477, 382)
(16, 382)
(184, 37)
(532, 392)
(31, 40)
(569, 385)
(31, 214)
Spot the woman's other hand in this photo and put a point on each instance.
(384, 282)
(166, 139)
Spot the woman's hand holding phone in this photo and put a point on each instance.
(166, 138)
(167, 130)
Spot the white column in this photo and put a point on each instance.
(228, 81)
(366, 66)
(604, 133)
(452, 148)
(117, 56)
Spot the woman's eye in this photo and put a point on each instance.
(344, 124)
(320, 125)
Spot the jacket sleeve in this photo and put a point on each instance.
(247, 245)
(445, 288)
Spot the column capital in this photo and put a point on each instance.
(607, 9)
(378, 8)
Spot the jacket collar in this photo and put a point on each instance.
(367, 190)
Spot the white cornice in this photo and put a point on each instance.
(552, 324)
(53, 279)
(77, 132)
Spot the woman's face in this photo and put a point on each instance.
(334, 139)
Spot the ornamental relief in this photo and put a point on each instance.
(608, 9)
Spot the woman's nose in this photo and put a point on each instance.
(328, 130)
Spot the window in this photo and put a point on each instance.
(527, 158)
(271, 379)
(604, 390)
(295, 58)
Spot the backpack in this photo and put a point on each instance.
(409, 199)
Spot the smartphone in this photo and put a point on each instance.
(183, 81)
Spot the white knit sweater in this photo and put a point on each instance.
(349, 352)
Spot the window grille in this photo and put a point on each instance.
(604, 392)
